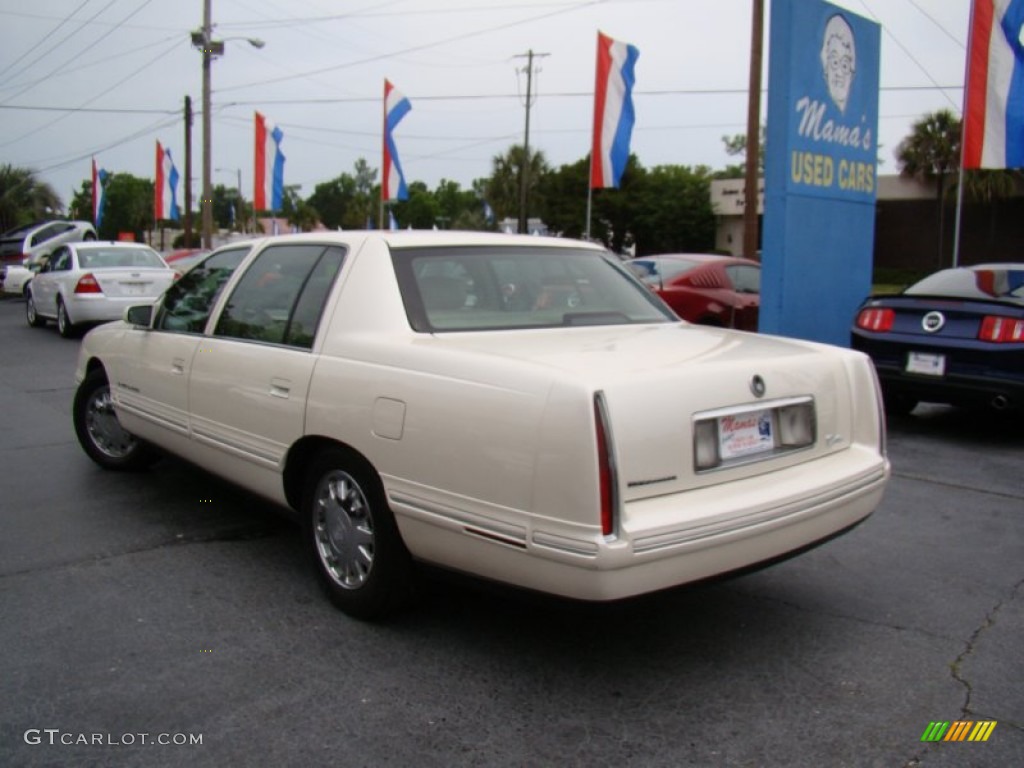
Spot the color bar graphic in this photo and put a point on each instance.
(958, 730)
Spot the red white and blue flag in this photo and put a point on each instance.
(99, 181)
(994, 99)
(268, 175)
(613, 111)
(165, 188)
(396, 106)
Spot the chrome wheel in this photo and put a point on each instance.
(100, 433)
(31, 315)
(64, 326)
(105, 431)
(343, 530)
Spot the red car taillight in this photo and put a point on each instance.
(88, 284)
(1001, 330)
(877, 320)
(607, 478)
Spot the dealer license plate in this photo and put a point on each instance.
(744, 434)
(926, 364)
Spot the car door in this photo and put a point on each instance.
(47, 285)
(150, 381)
(250, 378)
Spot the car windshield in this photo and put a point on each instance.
(1003, 284)
(500, 288)
(112, 258)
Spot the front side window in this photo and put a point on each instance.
(281, 296)
(61, 260)
(187, 304)
(469, 288)
(745, 279)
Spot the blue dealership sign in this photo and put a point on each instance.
(820, 169)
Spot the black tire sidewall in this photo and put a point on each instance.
(67, 328)
(388, 586)
(142, 455)
(31, 302)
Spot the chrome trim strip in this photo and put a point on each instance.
(808, 506)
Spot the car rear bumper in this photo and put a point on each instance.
(715, 532)
(94, 308)
(955, 389)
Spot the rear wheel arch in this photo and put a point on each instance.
(305, 451)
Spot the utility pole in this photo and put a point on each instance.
(207, 202)
(750, 228)
(524, 173)
(188, 171)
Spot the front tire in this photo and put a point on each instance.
(99, 432)
(352, 536)
(66, 328)
(31, 315)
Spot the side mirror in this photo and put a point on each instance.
(139, 316)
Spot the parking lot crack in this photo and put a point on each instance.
(957, 486)
(956, 667)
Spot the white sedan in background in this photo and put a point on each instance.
(518, 408)
(94, 282)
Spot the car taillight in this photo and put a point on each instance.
(1001, 330)
(607, 477)
(878, 320)
(88, 284)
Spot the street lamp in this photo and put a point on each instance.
(210, 48)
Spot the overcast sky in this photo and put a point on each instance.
(108, 78)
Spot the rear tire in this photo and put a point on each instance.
(31, 315)
(66, 328)
(359, 556)
(99, 432)
(898, 406)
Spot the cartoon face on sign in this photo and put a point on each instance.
(838, 59)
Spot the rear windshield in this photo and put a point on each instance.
(110, 258)
(1003, 284)
(484, 288)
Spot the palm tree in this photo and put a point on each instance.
(23, 198)
(931, 153)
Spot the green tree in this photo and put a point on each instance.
(736, 146)
(563, 196)
(128, 206)
(503, 186)
(24, 199)
(81, 202)
(332, 199)
(931, 153)
(420, 211)
(672, 211)
(614, 211)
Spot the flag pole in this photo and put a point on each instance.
(963, 133)
(590, 195)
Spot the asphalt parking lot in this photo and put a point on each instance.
(167, 618)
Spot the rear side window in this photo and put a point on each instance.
(281, 296)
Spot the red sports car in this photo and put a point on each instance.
(705, 288)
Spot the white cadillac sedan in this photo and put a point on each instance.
(518, 408)
(92, 282)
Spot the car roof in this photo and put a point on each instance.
(702, 258)
(412, 238)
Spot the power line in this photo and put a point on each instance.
(412, 49)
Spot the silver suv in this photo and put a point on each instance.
(30, 243)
